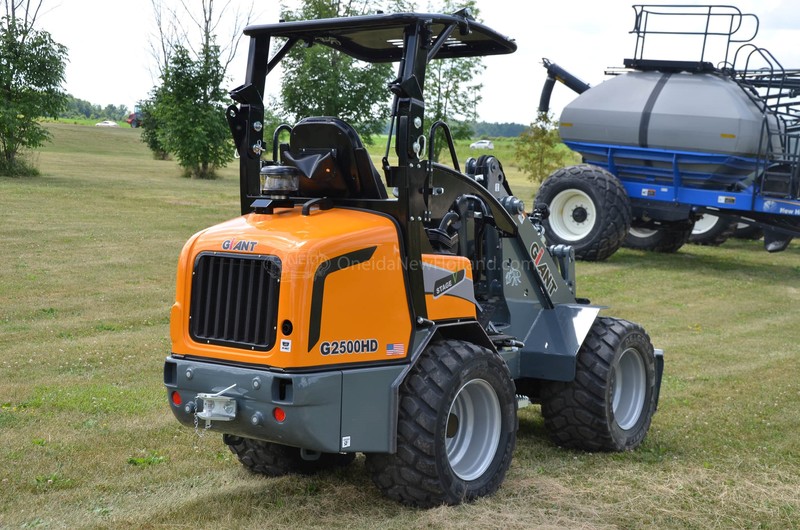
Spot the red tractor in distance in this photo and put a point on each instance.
(135, 117)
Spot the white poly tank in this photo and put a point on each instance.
(696, 112)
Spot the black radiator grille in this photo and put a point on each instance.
(235, 300)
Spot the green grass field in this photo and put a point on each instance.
(88, 440)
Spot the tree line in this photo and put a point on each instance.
(497, 130)
(81, 109)
(75, 108)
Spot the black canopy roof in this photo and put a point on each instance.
(379, 38)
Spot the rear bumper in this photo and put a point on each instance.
(331, 411)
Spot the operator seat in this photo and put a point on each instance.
(332, 159)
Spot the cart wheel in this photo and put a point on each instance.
(589, 210)
(712, 230)
(667, 239)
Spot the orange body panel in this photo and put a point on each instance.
(447, 306)
(365, 313)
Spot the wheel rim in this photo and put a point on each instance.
(641, 233)
(473, 429)
(704, 224)
(572, 215)
(630, 388)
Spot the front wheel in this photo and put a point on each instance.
(589, 210)
(457, 428)
(610, 403)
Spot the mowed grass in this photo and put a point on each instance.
(88, 440)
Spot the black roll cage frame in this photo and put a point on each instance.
(413, 40)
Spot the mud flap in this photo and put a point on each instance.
(659, 354)
(553, 341)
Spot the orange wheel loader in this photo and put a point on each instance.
(403, 313)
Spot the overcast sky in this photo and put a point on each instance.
(110, 62)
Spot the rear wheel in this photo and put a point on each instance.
(274, 460)
(668, 238)
(610, 403)
(456, 429)
(712, 230)
(589, 210)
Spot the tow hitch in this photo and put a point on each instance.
(217, 407)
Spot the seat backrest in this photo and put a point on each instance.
(330, 154)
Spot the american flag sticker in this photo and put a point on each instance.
(397, 348)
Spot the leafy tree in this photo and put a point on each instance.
(150, 129)
(320, 81)
(452, 95)
(32, 67)
(189, 109)
(114, 112)
(185, 114)
(77, 108)
(180, 27)
(539, 150)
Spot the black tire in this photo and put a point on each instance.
(748, 231)
(275, 460)
(589, 210)
(610, 403)
(712, 230)
(668, 238)
(457, 428)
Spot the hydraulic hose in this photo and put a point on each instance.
(556, 73)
